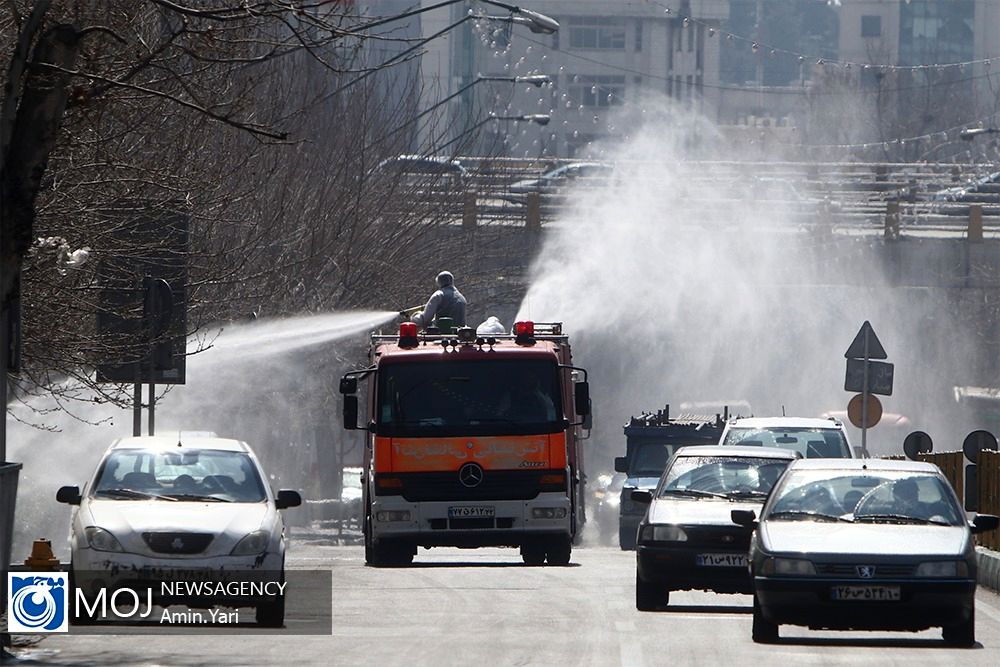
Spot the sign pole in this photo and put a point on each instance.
(864, 403)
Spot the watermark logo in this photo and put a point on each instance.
(37, 602)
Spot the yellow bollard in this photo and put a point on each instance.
(41, 557)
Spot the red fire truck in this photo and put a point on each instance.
(472, 441)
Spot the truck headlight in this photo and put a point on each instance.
(101, 540)
(253, 544)
(393, 515)
(662, 533)
(548, 512)
(789, 567)
(942, 568)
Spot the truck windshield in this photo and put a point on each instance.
(469, 398)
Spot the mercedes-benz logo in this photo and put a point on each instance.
(470, 475)
(866, 571)
(177, 544)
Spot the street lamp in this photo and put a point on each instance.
(537, 118)
(971, 133)
(537, 80)
(537, 22)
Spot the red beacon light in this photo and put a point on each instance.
(524, 332)
(408, 334)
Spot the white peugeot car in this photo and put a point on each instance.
(167, 508)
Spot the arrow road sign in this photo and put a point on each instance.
(857, 348)
(879, 376)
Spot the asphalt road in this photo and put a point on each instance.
(483, 607)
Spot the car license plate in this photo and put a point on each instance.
(721, 560)
(472, 511)
(866, 593)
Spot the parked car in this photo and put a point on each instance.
(687, 540)
(555, 180)
(423, 171)
(164, 507)
(812, 438)
(971, 191)
(864, 544)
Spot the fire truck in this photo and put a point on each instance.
(471, 441)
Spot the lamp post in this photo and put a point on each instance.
(971, 133)
(537, 80)
(535, 21)
(536, 118)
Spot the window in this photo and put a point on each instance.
(638, 36)
(597, 91)
(871, 26)
(595, 32)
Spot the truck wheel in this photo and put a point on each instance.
(764, 631)
(963, 634)
(559, 551)
(650, 596)
(626, 539)
(533, 554)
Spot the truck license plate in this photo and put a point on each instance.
(866, 593)
(471, 511)
(721, 560)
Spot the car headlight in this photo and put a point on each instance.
(101, 540)
(942, 568)
(253, 544)
(789, 567)
(661, 533)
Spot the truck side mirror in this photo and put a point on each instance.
(350, 412)
(621, 464)
(582, 394)
(69, 495)
(348, 385)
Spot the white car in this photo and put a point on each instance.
(812, 438)
(164, 508)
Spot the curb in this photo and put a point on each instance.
(989, 568)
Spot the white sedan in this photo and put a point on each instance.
(167, 508)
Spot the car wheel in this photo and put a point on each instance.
(559, 552)
(533, 554)
(389, 554)
(963, 634)
(271, 614)
(650, 596)
(764, 631)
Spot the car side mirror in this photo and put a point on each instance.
(69, 495)
(641, 496)
(621, 464)
(350, 412)
(984, 522)
(287, 498)
(745, 518)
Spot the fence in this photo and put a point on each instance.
(953, 464)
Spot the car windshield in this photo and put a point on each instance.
(196, 475)
(469, 398)
(876, 496)
(728, 476)
(811, 443)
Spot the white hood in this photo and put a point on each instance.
(867, 539)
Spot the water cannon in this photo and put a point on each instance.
(407, 313)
